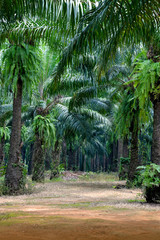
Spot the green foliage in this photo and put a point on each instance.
(5, 113)
(61, 168)
(25, 133)
(20, 61)
(112, 24)
(4, 133)
(150, 175)
(3, 170)
(145, 77)
(6, 150)
(45, 127)
(127, 113)
(81, 97)
(150, 178)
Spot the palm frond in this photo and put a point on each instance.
(69, 83)
(13, 57)
(102, 106)
(94, 115)
(73, 122)
(81, 97)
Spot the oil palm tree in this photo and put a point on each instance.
(19, 68)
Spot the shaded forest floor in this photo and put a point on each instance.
(79, 207)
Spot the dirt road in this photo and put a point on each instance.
(81, 211)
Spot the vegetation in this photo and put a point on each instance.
(150, 178)
(90, 105)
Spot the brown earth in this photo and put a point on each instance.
(79, 210)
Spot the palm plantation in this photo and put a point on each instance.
(58, 57)
(79, 119)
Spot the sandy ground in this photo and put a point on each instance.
(79, 210)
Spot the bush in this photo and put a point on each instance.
(150, 177)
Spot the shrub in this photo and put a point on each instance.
(150, 177)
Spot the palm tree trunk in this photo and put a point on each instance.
(64, 154)
(14, 176)
(134, 163)
(55, 160)
(71, 158)
(38, 160)
(156, 133)
(125, 148)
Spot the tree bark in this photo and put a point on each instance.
(29, 161)
(38, 157)
(120, 149)
(156, 133)
(71, 158)
(64, 154)
(14, 176)
(125, 148)
(55, 160)
(134, 162)
(38, 160)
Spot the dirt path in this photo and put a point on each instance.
(80, 211)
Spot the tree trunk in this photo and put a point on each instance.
(120, 149)
(134, 163)
(38, 160)
(64, 154)
(29, 161)
(120, 152)
(14, 175)
(156, 133)
(71, 158)
(38, 157)
(55, 160)
(125, 148)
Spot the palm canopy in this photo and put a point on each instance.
(63, 14)
(19, 61)
(113, 24)
(50, 9)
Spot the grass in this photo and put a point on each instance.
(87, 177)
(90, 206)
(81, 205)
(57, 179)
(137, 201)
(6, 216)
(99, 177)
